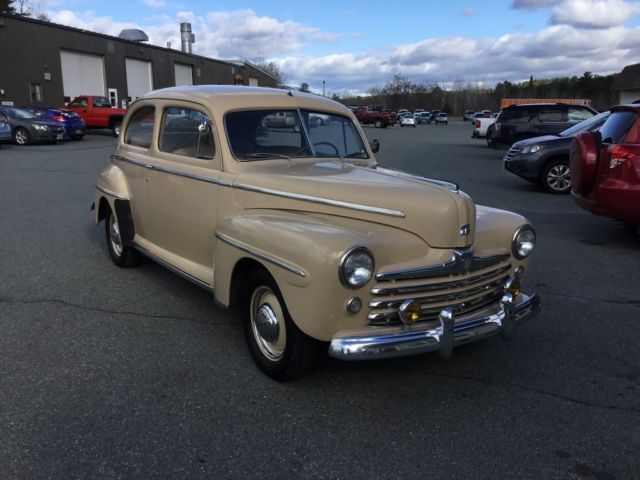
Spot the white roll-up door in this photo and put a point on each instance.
(184, 74)
(253, 82)
(82, 74)
(139, 77)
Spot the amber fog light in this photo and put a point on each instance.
(409, 312)
(512, 285)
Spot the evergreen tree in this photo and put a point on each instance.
(7, 7)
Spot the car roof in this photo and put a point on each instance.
(228, 97)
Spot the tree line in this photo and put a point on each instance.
(401, 92)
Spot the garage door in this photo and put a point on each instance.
(184, 74)
(253, 82)
(139, 77)
(82, 74)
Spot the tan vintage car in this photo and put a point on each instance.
(298, 225)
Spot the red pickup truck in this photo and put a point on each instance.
(97, 112)
(380, 119)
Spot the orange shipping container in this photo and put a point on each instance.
(505, 102)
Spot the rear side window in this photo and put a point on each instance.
(617, 125)
(551, 115)
(578, 114)
(140, 128)
(187, 132)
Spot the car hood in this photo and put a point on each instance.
(435, 211)
(546, 139)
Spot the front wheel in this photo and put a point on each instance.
(21, 136)
(278, 347)
(122, 255)
(556, 177)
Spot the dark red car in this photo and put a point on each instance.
(605, 167)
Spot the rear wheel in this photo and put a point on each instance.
(279, 348)
(378, 123)
(556, 177)
(122, 255)
(115, 129)
(21, 136)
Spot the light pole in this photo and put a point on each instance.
(323, 88)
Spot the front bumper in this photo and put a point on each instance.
(400, 341)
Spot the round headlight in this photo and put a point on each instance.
(524, 240)
(356, 267)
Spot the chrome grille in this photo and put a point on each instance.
(462, 292)
(513, 151)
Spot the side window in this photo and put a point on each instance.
(79, 103)
(550, 115)
(140, 128)
(578, 114)
(186, 132)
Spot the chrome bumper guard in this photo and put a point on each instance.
(400, 341)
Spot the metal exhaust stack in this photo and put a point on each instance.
(186, 36)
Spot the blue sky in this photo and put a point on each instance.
(356, 45)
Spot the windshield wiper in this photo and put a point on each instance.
(263, 155)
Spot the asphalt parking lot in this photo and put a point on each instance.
(112, 373)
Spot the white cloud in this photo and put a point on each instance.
(557, 50)
(154, 3)
(532, 4)
(594, 13)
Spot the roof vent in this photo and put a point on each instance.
(134, 35)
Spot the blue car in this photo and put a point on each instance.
(5, 129)
(74, 126)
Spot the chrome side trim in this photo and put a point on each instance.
(175, 270)
(268, 191)
(454, 187)
(111, 192)
(251, 251)
(321, 200)
(463, 261)
(171, 171)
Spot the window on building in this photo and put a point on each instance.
(36, 92)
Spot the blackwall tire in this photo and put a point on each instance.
(556, 177)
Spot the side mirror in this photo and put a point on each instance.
(374, 145)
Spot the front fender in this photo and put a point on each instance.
(112, 185)
(302, 253)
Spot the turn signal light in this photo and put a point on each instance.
(410, 312)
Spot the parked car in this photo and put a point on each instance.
(441, 117)
(407, 120)
(481, 125)
(605, 167)
(27, 128)
(423, 117)
(517, 122)
(74, 126)
(5, 129)
(316, 243)
(467, 115)
(545, 160)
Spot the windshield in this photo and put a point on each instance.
(589, 124)
(20, 113)
(268, 134)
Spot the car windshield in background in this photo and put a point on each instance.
(268, 134)
(586, 125)
(19, 113)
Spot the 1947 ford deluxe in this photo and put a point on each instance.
(298, 225)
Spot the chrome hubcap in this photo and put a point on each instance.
(267, 323)
(559, 177)
(21, 137)
(114, 234)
